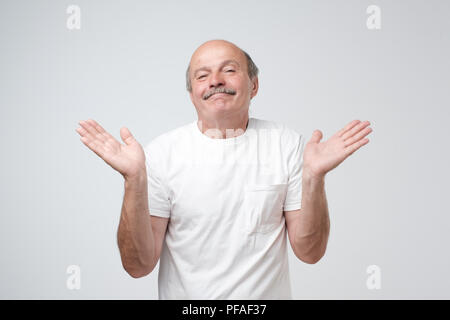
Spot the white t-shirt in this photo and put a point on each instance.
(226, 237)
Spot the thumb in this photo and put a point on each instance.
(316, 136)
(126, 136)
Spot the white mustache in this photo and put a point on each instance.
(219, 90)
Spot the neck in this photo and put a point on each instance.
(223, 128)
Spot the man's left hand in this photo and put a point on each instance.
(322, 157)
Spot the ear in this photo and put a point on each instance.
(191, 96)
(255, 86)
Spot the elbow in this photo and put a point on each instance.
(137, 268)
(138, 273)
(310, 260)
(312, 252)
(311, 257)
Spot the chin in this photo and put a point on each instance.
(221, 110)
(219, 105)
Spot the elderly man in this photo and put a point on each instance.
(212, 200)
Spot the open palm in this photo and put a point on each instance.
(321, 157)
(128, 159)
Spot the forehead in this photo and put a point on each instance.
(212, 55)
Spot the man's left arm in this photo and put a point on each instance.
(309, 227)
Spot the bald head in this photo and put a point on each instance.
(217, 45)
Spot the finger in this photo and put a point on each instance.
(89, 128)
(351, 149)
(89, 137)
(82, 132)
(126, 135)
(355, 130)
(94, 146)
(316, 136)
(348, 127)
(100, 129)
(97, 126)
(357, 137)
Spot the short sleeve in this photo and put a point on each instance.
(158, 198)
(294, 153)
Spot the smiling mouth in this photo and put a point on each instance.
(224, 91)
(220, 93)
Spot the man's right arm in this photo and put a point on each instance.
(139, 236)
(135, 235)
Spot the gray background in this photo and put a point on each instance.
(320, 68)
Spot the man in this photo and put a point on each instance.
(212, 200)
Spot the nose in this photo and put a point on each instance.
(217, 80)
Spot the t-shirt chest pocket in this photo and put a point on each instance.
(263, 207)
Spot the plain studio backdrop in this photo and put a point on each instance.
(320, 67)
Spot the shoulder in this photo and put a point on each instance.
(287, 134)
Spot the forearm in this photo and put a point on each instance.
(135, 235)
(313, 224)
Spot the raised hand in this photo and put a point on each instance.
(321, 157)
(128, 159)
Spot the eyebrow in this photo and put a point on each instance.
(221, 65)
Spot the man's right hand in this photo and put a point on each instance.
(128, 159)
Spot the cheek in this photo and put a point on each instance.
(239, 85)
(198, 93)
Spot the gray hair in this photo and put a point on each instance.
(252, 70)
